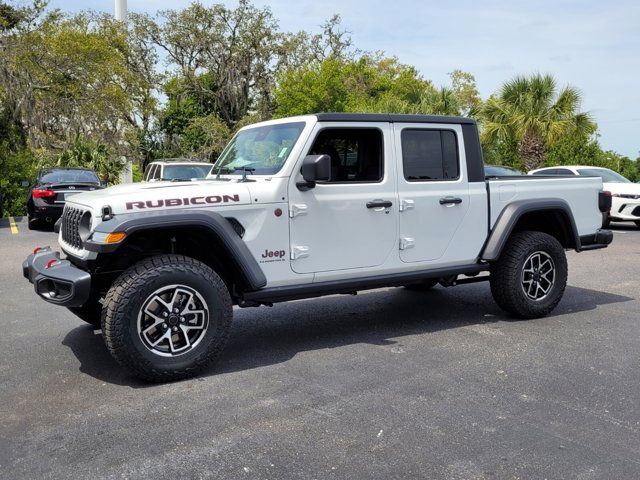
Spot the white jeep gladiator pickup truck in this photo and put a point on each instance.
(303, 207)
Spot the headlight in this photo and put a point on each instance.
(84, 227)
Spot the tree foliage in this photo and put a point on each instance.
(532, 112)
(87, 90)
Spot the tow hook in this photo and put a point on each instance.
(449, 281)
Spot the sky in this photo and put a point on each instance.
(591, 44)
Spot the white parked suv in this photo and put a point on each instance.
(175, 169)
(625, 204)
(302, 207)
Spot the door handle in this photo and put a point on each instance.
(450, 201)
(379, 204)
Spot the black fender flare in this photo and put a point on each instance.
(250, 271)
(514, 211)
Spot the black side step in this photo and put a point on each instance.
(296, 292)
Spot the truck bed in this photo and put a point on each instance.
(581, 193)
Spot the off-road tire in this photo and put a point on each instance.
(126, 297)
(507, 274)
(90, 312)
(423, 286)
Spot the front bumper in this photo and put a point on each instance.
(57, 281)
(625, 209)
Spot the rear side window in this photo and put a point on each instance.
(356, 153)
(429, 155)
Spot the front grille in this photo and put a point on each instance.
(636, 212)
(70, 227)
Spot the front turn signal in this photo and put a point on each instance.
(115, 237)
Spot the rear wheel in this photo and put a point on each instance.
(529, 278)
(167, 317)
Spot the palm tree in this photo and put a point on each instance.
(531, 111)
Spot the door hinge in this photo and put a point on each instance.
(297, 209)
(299, 251)
(407, 242)
(406, 204)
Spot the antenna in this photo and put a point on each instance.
(121, 10)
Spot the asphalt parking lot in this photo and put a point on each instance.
(386, 384)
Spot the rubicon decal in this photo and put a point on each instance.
(176, 202)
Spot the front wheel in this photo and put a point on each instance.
(529, 278)
(167, 317)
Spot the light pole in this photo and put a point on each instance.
(121, 15)
(121, 10)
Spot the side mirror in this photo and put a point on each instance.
(25, 183)
(315, 168)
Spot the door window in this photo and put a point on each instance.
(356, 153)
(429, 155)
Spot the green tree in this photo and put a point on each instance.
(364, 84)
(463, 85)
(531, 111)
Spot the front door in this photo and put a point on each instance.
(350, 221)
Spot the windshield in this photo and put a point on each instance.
(185, 172)
(607, 176)
(68, 176)
(260, 150)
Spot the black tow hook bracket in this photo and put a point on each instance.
(450, 281)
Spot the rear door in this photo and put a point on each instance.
(434, 196)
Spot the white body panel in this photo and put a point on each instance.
(579, 193)
(328, 233)
(327, 219)
(447, 234)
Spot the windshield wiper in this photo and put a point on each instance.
(244, 173)
(226, 169)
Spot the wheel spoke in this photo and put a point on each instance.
(164, 336)
(185, 334)
(538, 275)
(182, 334)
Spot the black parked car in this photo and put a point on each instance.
(52, 187)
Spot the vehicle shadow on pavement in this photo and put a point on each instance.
(269, 336)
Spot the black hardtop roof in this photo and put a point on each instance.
(391, 117)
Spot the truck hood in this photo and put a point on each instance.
(133, 197)
(622, 188)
